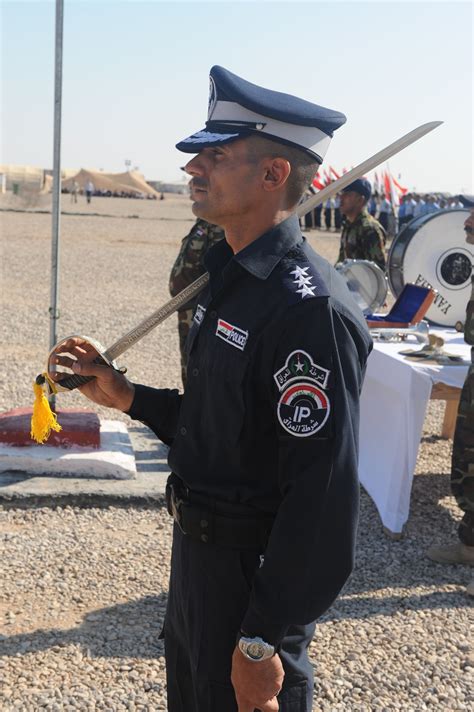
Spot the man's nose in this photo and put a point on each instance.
(194, 166)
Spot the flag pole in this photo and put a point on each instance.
(56, 210)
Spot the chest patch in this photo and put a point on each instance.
(199, 315)
(299, 365)
(232, 334)
(303, 409)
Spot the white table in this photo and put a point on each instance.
(393, 405)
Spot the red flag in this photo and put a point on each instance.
(400, 188)
(327, 178)
(317, 182)
(335, 173)
(344, 170)
(387, 186)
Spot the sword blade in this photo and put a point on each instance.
(366, 166)
(158, 316)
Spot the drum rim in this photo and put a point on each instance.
(381, 277)
(406, 234)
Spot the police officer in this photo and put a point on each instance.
(264, 488)
(462, 473)
(362, 237)
(188, 266)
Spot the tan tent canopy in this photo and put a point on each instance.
(132, 183)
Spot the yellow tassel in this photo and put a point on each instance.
(43, 419)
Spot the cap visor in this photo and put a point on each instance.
(206, 139)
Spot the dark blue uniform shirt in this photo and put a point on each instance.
(270, 415)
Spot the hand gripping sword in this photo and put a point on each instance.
(144, 327)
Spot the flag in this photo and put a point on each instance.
(400, 188)
(317, 182)
(327, 178)
(335, 173)
(390, 190)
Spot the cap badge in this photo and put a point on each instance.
(212, 97)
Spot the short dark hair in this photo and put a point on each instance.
(303, 166)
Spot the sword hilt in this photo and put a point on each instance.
(74, 381)
(70, 382)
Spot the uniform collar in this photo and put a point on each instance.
(364, 213)
(263, 254)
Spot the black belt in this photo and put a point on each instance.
(204, 523)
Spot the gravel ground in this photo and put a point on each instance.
(83, 591)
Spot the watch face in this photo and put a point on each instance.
(255, 650)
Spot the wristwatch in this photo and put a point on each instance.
(255, 649)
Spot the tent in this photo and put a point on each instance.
(130, 183)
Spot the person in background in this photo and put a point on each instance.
(418, 210)
(455, 203)
(363, 237)
(328, 208)
(462, 471)
(385, 210)
(188, 266)
(74, 191)
(402, 212)
(372, 205)
(337, 213)
(89, 187)
(410, 205)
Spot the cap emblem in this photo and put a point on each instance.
(212, 97)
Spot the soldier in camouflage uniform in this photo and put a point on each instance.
(363, 237)
(188, 266)
(462, 471)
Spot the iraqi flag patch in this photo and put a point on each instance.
(232, 334)
(303, 409)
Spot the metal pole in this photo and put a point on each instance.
(58, 76)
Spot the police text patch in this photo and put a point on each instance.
(303, 409)
(199, 315)
(299, 365)
(232, 334)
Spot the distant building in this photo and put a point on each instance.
(178, 187)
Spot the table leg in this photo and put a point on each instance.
(449, 422)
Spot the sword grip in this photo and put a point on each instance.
(72, 382)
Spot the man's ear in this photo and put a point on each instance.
(275, 173)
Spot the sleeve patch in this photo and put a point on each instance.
(299, 365)
(303, 409)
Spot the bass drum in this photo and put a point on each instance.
(366, 281)
(431, 251)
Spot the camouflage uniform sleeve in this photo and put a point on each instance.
(373, 244)
(189, 264)
(341, 257)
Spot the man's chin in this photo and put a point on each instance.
(200, 211)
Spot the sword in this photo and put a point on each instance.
(144, 327)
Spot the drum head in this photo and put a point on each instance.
(366, 281)
(431, 251)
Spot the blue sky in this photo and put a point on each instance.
(135, 78)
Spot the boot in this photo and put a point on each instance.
(452, 554)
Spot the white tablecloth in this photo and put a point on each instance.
(394, 399)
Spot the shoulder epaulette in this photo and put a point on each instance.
(301, 279)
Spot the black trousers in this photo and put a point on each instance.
(209, 593)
